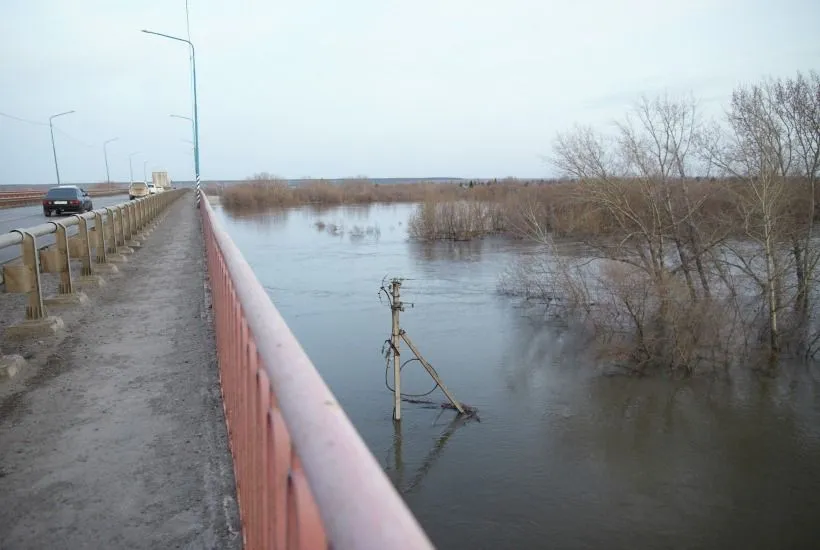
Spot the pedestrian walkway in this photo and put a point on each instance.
(115, 437)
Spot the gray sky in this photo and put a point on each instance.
(471, 88)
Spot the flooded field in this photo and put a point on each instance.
(563, 457)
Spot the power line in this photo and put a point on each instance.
(56, 129)
(72, 138)
(23, 119)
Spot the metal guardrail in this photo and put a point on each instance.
(105, 232)
(22, 198)
(305, 479)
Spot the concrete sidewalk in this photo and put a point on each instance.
(114, 437)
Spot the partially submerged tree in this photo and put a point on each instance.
(691, 270)
(772, 148)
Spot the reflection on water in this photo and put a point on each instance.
(446, 251)
(394, 463)
(564, 457)
(272, 217)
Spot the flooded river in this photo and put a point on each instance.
(563, 457)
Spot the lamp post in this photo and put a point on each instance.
(131, 166)
(144, 177)
(196, 114)
(53, 148)
(105, 154)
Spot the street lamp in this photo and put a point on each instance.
(196, 115)
(144, 177)
(53, 148)
(131, 166)
(105, 154)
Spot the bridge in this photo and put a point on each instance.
(151, 395)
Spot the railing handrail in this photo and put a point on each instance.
(359, 507)
(15, 237)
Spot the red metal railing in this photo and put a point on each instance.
(304, 477)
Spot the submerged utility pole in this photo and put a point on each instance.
(395, 339)
(396, 336)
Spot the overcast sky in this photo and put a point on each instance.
(471, 88)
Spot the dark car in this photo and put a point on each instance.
(66, 198)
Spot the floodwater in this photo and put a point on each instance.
(563, 457)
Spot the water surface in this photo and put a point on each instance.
(563, 457)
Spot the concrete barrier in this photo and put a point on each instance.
(107, 235)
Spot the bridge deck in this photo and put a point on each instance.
(115, 437)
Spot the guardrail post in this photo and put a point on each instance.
(113, 253)
(132, 213)
(119, 230)
(80, 247)
(146, 218)
(25, 279)
(125, 223)
(130, 241)
(100, 242)
(58, 260)
(142, 219)
(154, 211)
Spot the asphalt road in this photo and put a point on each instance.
(29, 216)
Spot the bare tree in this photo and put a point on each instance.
(686, 268)
(772, 146)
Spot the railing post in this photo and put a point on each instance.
(131, 241)
(145, 217)
(102, 243)
(149, 204)
(25, 278)
(80, 247)
(119, 230)
(85, 247)
(125, 221)
(35, 309)
(58, 260)
(66, 283)
(99, 242)
(114, 252)
(132, 220)
(137, 227)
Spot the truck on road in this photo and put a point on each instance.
(161, 180)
